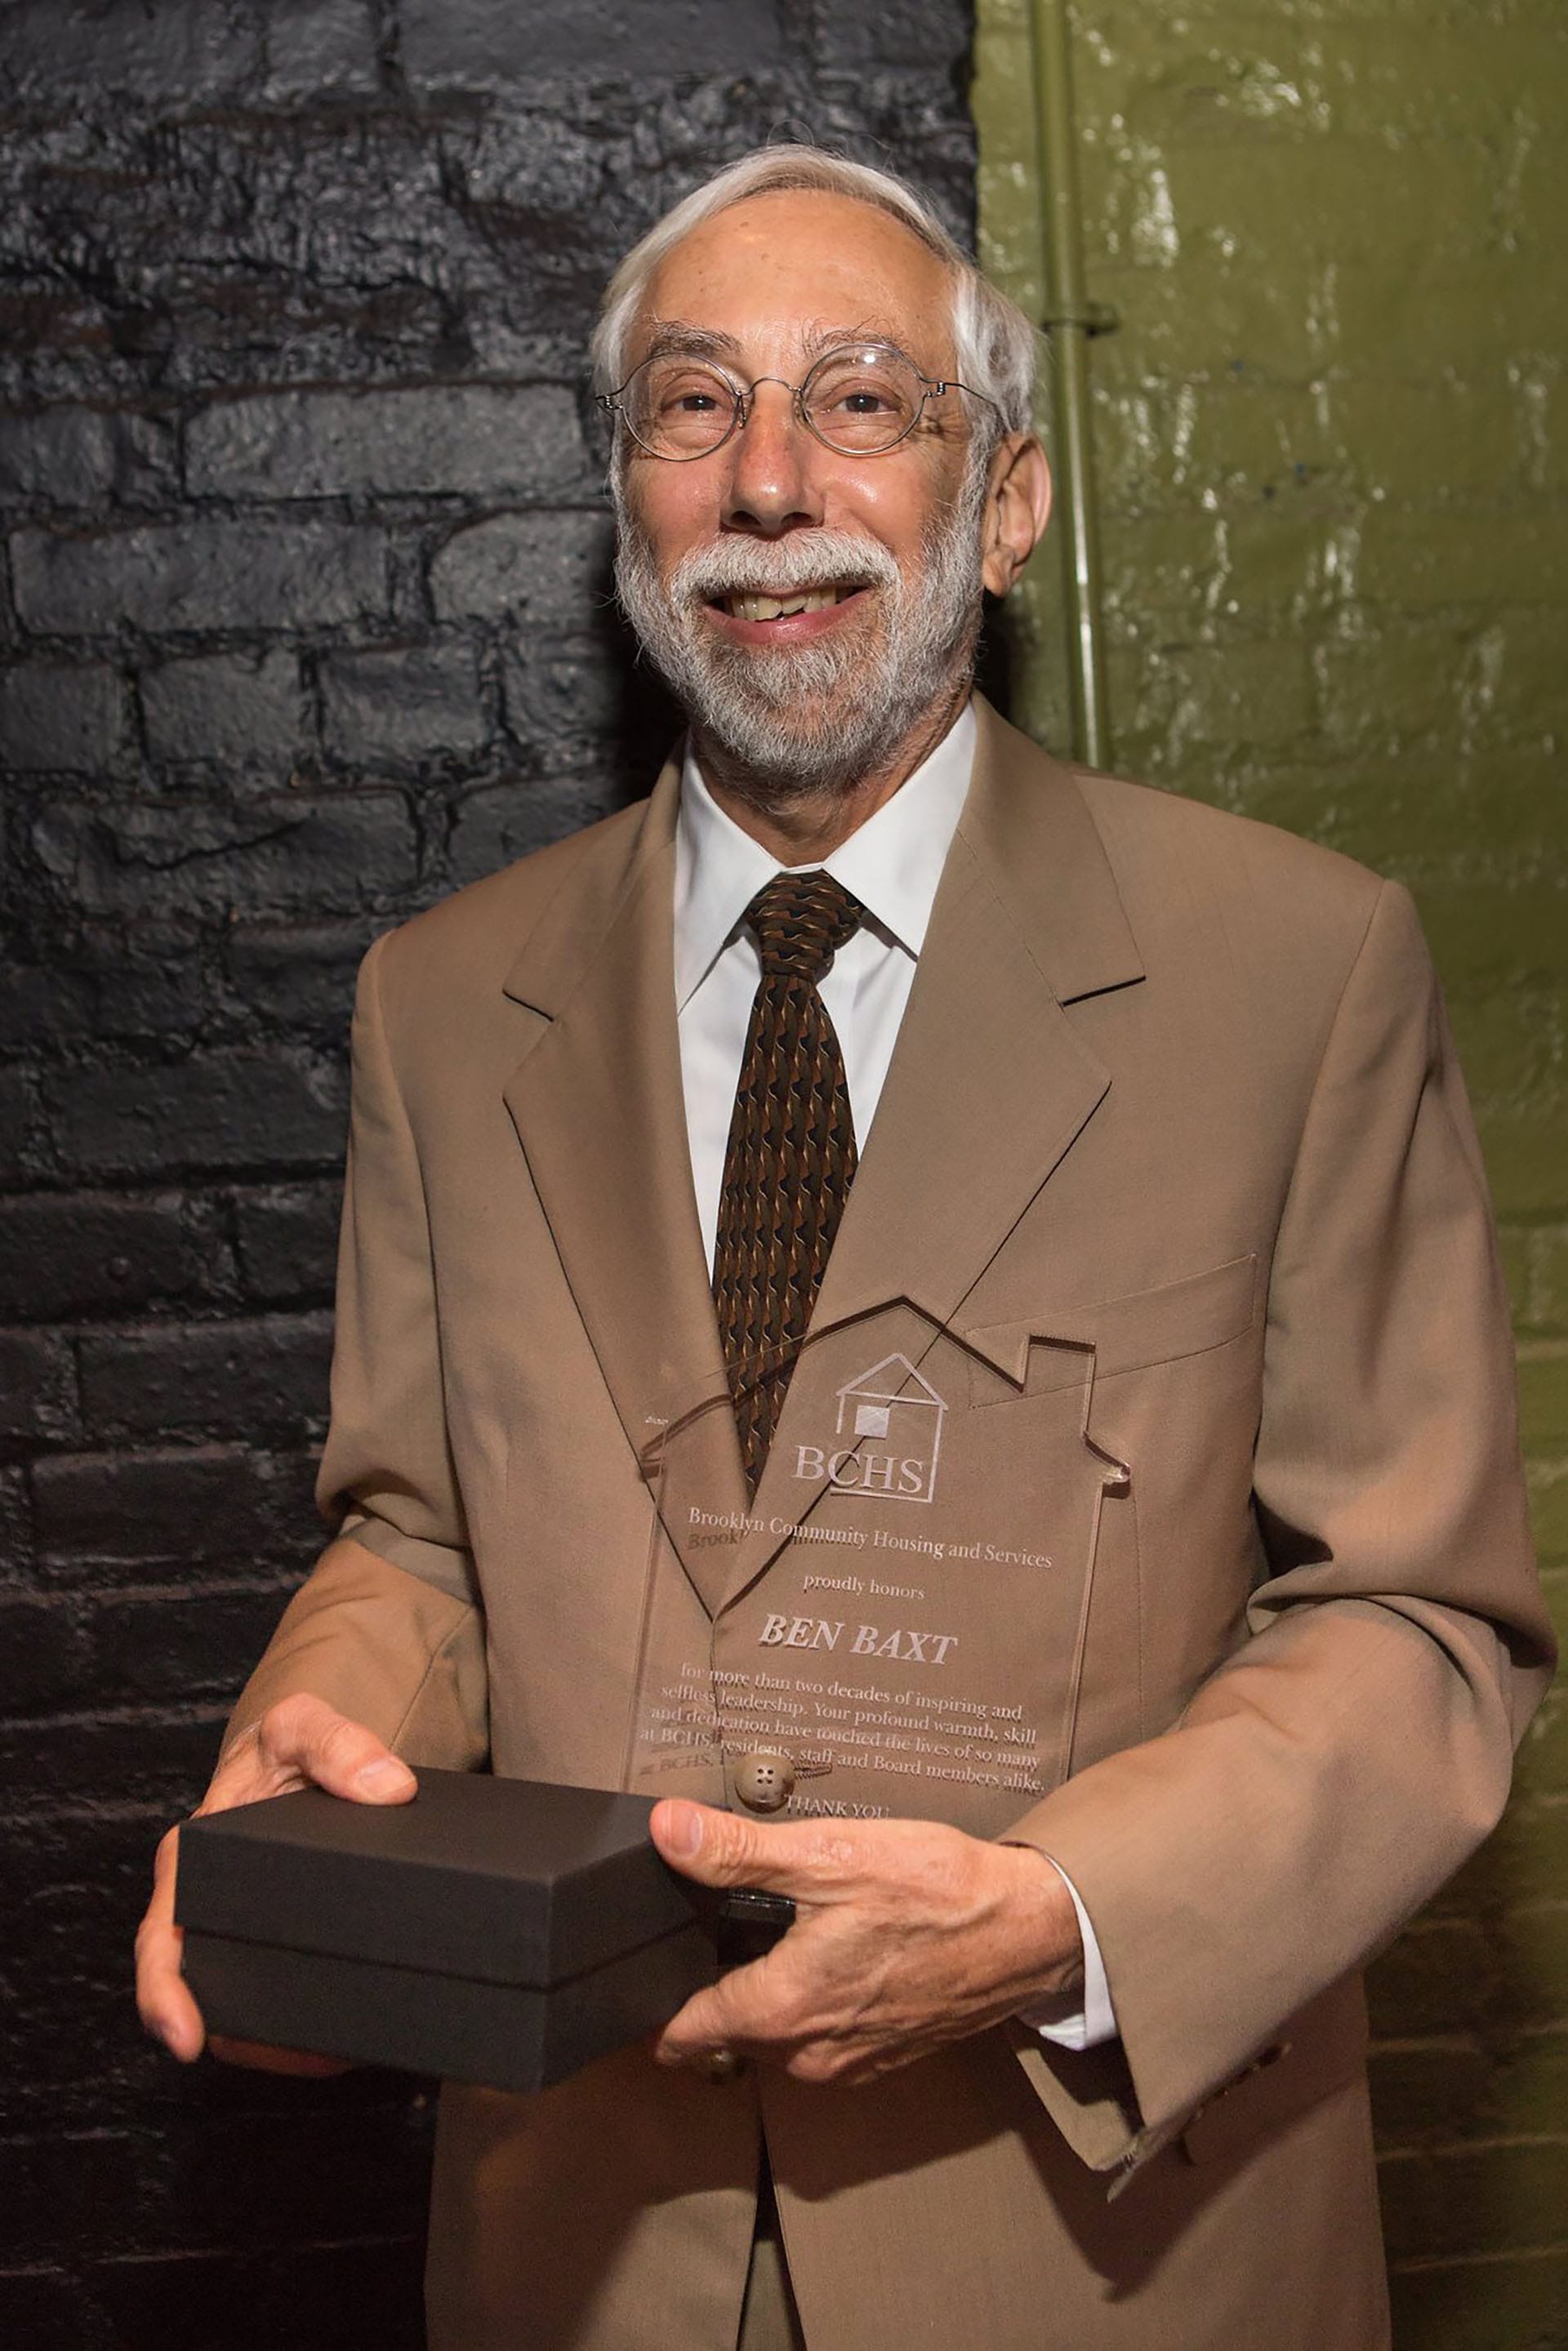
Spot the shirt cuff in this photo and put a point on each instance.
(1094, 2021)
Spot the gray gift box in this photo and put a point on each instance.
(499, 1931)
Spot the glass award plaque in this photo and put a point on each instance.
(896, 1619)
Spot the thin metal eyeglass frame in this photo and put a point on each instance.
(744, 396)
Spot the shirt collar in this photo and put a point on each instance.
(892, 863)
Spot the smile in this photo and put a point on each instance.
(756, 605)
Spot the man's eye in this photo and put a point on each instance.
(686, 398)
(869, 393)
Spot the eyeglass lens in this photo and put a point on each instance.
(857, 401)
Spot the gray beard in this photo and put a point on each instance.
(812, 718)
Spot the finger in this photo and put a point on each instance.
(709, 2020)
(263, 2058)
(162, 1997)
(719, 1848)
(306, 1736)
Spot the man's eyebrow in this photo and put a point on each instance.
(684, 338)
(816, 339)
(681, 338)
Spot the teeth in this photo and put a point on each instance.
(772, 608)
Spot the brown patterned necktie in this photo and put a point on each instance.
(790, 1157)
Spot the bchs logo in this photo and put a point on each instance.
(889, 1435)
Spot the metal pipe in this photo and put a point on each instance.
(1069, 322)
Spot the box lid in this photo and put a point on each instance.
(501, 1881)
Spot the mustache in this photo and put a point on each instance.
(807, 558)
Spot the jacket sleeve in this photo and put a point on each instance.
(1343, 1762)
(388, 1626)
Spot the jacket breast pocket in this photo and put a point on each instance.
(1058, 1347)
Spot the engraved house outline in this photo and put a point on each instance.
(876, 1406)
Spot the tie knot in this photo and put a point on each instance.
(800, 922)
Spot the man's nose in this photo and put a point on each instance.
(772, 483)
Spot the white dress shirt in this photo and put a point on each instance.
(892, 864)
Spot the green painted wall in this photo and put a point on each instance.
(1334, 497)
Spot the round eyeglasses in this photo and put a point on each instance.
(860, 401)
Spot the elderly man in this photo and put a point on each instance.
(944, 1306)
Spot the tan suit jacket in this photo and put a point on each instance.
(1147, 1044)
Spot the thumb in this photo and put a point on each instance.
(304, 1738)
(718, 1848)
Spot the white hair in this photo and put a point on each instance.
(995, 345)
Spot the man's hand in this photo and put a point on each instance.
(907, 1936)
(300, 1742)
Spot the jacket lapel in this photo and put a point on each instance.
(598, 1108)
(989, 1085)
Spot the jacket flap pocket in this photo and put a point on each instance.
(1318, 2051)
(1149, 1326)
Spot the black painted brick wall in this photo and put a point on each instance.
(302, 623)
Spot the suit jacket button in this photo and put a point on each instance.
(764, 1781)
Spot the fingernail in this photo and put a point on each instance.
(687, 1829)
(385, 1777)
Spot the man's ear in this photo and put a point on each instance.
(1018, 507)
